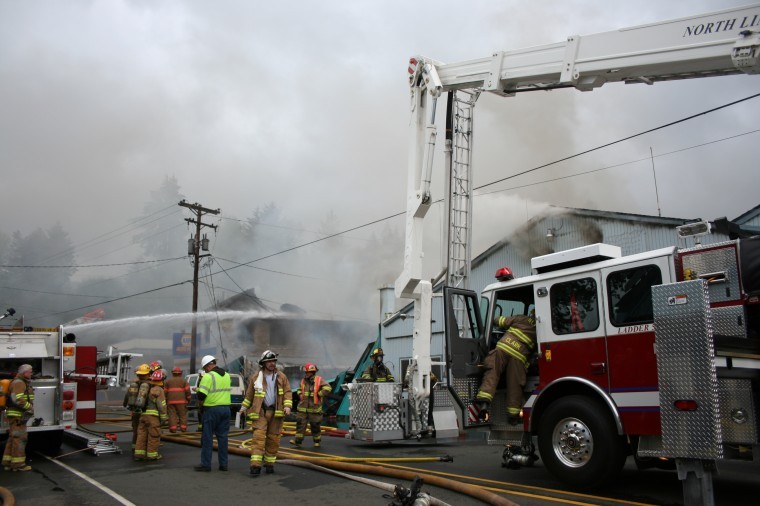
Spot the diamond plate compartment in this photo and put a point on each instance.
(729, 321)
(466, 389)
(686, 370)
(719, 257)
(738, 417)
(363, 401)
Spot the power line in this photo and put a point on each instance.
(131, 273)
(608, 167)
(261, 224)
(84, 266)
(358, 227)
(268, 270)
(116, 299)
(242, 291)
(52, 293)
(94, 241)
(621, 140)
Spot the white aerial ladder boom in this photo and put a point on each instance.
(720, 43)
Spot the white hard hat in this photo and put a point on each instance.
(267, 356)
(207, 360)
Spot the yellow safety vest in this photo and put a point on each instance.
(217, 389)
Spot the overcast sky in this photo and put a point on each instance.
(305, 104)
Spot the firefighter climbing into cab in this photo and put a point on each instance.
(377, 371)
(313, 390)
(512, 355)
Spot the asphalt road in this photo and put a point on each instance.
(85, 479)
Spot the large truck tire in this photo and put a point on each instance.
(578, 442)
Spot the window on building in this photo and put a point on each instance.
(574, 306)
(437, 369)
(630, 295)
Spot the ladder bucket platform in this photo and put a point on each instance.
(94, 443)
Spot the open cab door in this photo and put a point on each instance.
(465, 345)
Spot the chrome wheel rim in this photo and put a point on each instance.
(572, 442)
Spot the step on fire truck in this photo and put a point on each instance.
(65, 380)
(652, 354)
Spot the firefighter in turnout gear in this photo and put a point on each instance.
(377, 371)
(512, 354)
(268, 400)
(20, 408)
(312, 391)
(149, 430)
(142, 373)
(177, 396)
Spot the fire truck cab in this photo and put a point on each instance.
(655, 354)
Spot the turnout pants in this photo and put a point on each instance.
(177, 416)
(15, 447)
(314, 420)
(135, 428)
(266, 438)
(495, 363)
(148, 438)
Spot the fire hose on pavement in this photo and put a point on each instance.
(6, 497)
(459, 487)
(426, 499)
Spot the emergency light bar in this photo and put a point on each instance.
(694, 229)
(576, 256)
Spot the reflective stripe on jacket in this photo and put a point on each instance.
(177, 390)
(156, 405)
(520, 337)
(216, 388)
(378, 373)
(20, 396)
(311, 395)
(254, 396)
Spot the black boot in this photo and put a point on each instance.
(255, 472)
(484, 408)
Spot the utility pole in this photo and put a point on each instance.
(194, 249)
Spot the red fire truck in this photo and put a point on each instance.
(65, 380)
